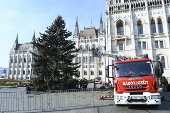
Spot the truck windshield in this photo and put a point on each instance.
(134, 69)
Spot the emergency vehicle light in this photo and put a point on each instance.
(145, 55)
(117, 59)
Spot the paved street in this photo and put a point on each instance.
(91, 85)
(106, 105)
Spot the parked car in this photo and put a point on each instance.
(98, 80)
(168, 87)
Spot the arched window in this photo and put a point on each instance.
(86, 59)
(110, 8)
(100, 72)
(92, 72)
(118, 7)
(29, 59)
(120, 29)
(23, 72)
(79, 59)
(163, 61)
(87, 47)
(20, 60)
(137, 5)
(15, 60)
(153, 27)
(151, 3)
(91, 59)
(126, 6)
(11, 60)
(81, 47)
(83, 59)
(169, 24)
(28, 71)
(85, 72)
(140, 27)
(24, 59)
(160, 27)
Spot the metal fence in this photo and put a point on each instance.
(38, 100)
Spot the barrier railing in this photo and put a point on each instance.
(39, 100)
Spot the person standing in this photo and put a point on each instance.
(109, 83)
(164, 83)
(81, 83)
(28, 89)
(85, 83)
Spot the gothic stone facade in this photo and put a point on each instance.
(137, 27)
(20, 60)
(86, 41)
(132, 28)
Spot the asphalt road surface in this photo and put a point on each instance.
(107, 105)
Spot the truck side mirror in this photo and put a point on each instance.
(109, 72)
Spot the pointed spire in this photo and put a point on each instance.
(76, 30)
(16, 42)
(77, 21)
(16, 38)
(101, 24)
(101, 18)
(33, 38)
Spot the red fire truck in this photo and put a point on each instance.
(136, 81)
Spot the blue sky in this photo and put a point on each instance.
(26, 16)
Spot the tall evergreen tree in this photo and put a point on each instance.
(53, 64)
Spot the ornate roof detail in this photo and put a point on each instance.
(33, 38)
(76, 30)
(16, 43)
(89, 32)
(101, 25)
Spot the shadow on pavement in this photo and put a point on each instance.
(143, 107)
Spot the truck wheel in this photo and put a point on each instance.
(155, 106)
(117, 105)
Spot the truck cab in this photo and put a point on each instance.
(136, 82)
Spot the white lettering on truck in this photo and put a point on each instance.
(135, 82)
